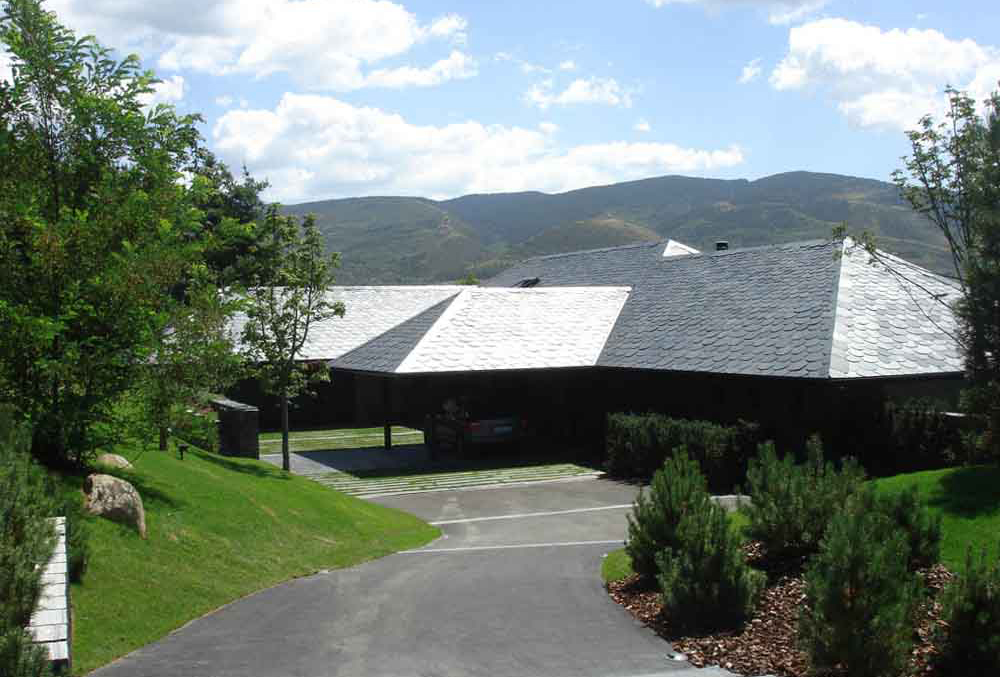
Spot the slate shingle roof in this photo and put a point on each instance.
(484, 329)
(795, 310)
(371, 311)
(892, 323)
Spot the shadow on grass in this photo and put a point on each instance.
(262, 470)
(969, 492)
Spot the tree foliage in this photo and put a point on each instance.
(952, 176)
(284, 304)
(96, 226)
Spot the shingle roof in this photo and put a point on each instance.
(371, 311)
(498, 329)
(892, 320)
(795, 310)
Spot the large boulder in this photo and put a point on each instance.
(114, 461)
(116, 500)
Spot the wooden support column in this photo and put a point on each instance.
(387, 414)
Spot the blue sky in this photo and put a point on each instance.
(331, 98)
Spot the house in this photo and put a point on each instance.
(799, 337)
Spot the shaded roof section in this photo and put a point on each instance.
(498, 330)
(371, 311)
(385, 353)
(795, 310)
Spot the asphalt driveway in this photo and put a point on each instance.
(511, 589)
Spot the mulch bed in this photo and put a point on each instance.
(767, 643)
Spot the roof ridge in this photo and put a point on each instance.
(635, 245)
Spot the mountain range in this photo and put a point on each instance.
(398, 240)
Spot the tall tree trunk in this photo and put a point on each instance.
(285, 460)
(163, 438)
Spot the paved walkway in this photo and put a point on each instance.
(370, 473)
(511, 589)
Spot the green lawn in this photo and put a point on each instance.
(357, 438)
(967, 499)
(219, 528)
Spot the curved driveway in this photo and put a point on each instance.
(515, 594)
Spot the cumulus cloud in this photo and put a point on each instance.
(171, 90)
(313, 146)
(750, 72)
(457, 66)
(548, 127)
(568, 65)
(641, 126)
(884, 78)
(321, 44)
(779, 11)
(224, 101)
(605, 91)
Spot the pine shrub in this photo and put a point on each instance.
(677, 488)
(971, 611)
(792, 504)
(909, 515)
(860, 598)
(26, 542)
(705, 581)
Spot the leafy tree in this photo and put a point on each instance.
(194, 352)
(96, 227)
(234, 249)
(285, 305)
(952, 176)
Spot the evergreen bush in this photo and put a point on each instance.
(792, 504)
(705, 581)
(908, 515)
(860, 597)
(677, 488)
(638, 444)
(26, 542)
(971, 611)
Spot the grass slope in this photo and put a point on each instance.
(219, 528)
(967, 499)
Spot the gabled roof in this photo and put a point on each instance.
(497, 329)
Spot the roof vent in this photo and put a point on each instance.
(721, 245)
(528, 282)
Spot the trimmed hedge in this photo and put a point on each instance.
(638, 444)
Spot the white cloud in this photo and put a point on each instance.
(321, 44)
(641, 126)
(568, 65)
(170, 90)
(548, 127)
(224, 101)
(590, 90)
(750, 72)
(884, 78)
(313, 146)
(457, 66)
(779, 11)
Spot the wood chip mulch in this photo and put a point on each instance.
(768, 644)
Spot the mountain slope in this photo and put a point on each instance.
(402, 239)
